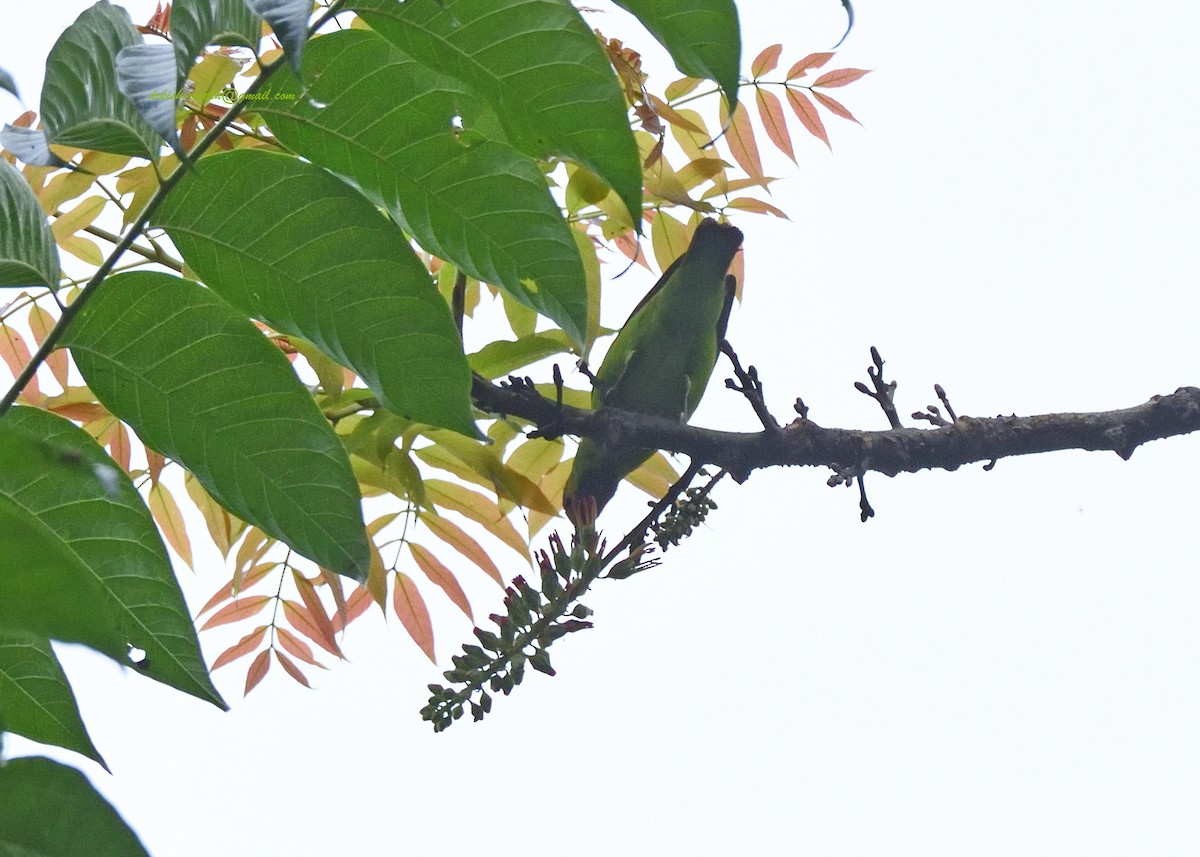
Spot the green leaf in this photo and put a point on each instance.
(702, 37)
(539, 65)
(464, 194)
(30, 145)
(314, 258)
(51, 810)
(197, 23)
(46, 589)
(28, 255)
(106, 525)
(35, 699)
(81, 104)
(201, 385)
(146, 75)
(289, 22)
(499, 358)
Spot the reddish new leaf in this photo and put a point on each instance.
(442, 576)
(809, 62)
(358, 603)
(297, 647)
(739, 136)
(834, 107)
(410, 610)
(746, 203)
(457, 538)
(303, 622)
(16, 354)
(334, 581)
(156, 463)
(241, 609)
(241, 648)
(116, 438)
(316, 609)
(230, 589)
(258, 669)
(40, 324)
(766, 61)
(291, 669)
(770, 110)
(170, 520)
(807, 113)
(840, 77)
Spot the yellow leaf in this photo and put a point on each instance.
(82, 248)
(669, 238)
(478, 508)
(78, 217)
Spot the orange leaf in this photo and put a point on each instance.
(840, 77)
(457, 538)
(334, 582)
(628, 244)
(410, 610)
(666, 111)
(807, 113)
(358, 603)
(241, 648)
(436, 571)
(116, 438)
(315, 608)
(810, 61)
(156, 463)
(243, 608)
(16, 354)
(770, 110)
(296, 646)
(745, 203)
(739, 136)
(84, 412)
(834, 107)
(258, 669)
(40, 324)
(303, 622)
(767, 59)
(166, 513)
(237, 584)
(291, 669)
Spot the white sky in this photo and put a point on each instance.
(999, 663)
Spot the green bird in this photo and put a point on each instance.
(661, 360)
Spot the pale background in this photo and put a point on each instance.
(999, 663)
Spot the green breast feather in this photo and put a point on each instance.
(662, 358)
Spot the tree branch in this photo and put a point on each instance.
(803, 443)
